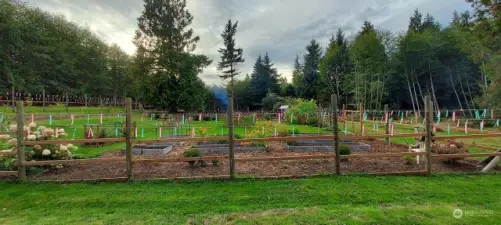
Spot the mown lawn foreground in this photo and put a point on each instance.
(317, 200)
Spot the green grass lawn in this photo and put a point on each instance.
(317, 200)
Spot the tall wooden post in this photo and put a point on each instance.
(230, 137)
(13, 97)
(336, 134)
(66, 102)
(361, 117)
(43, 100)
(128, 137)
(85, 96)
(387, 122)
(21, 169)
(428, 130)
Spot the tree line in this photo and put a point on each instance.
(457, 64)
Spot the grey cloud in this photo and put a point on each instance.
(282, 28)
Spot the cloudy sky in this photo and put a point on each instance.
(282, 28)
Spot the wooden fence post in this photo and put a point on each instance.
(21, 169)
(361, 117)
(128, 137)
(230, 137)
(336, 134)
(387, 122)
(428, 130)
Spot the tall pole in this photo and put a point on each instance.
(21, 169)
(230, 137)
(428, 130)
(336, 134)
(128, 137)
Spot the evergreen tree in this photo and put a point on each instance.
(230, 55)
(271, 75)
(166, 42)
(297, 75)
(259, 82)
(335, 65)
(415, 22)
(308, 84)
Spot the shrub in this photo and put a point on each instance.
(302, 109)
(344, 149)
(192, 152)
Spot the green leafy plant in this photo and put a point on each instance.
(192, 152)
(215, 162)
(344, 149)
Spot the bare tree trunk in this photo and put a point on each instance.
(454, 88)
(432, 87)
(464, 96)
(382, 91)
(370, 90)
(420, 90)
(410, 93)
(415, 95)
(469, 91)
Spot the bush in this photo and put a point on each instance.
(193, 152)
(344, 149)
(301, 110)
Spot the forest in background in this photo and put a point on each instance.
(458, 64)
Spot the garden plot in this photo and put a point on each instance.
(324, 145)
(224, 148)
(154, 149)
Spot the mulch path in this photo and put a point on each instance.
(258, 169)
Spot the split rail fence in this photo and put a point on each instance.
(335, 137)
